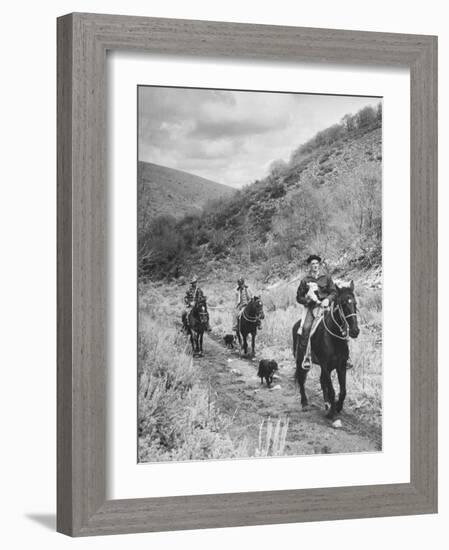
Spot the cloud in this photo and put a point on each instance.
(231, 137)
(231, 127)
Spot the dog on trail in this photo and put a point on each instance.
(229, 340)
(266, 370)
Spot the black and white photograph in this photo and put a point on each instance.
(259, 261)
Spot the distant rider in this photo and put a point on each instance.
(316, 292)
(193, 296)
(243, 295)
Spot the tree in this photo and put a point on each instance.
(277, 168)
(379, 113)
(349, 123)
(366, 117)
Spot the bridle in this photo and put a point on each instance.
(200, 310)
(248, 318)
(344, 330)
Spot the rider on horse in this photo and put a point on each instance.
(316, 292)
(242, 297)
(193, 296)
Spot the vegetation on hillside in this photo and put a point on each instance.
(166, 191)
(327, 198)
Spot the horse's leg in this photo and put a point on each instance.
(341, 373)
(301, 376)
(245, 343)
(201, 343)
(253, 343)
(198, 342)
(192, 340)
(324, 387)
(295, 337)
(326, 373)
(195, 341)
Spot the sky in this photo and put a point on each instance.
(232, 137)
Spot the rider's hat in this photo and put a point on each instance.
(194, 279)
(313, 257)
(240, 280)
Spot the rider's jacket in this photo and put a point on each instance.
(242, 296)
(325, 288)
(193, 296)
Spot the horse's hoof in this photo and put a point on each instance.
(330, 415)
(305, 406)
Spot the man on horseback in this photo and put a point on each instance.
(193, 296)
(316, 292)
(242, 297)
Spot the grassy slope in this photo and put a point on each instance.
(168, 191)
(243, 223)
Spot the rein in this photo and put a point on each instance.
(344, 330)
(248, 318)
(199, 313)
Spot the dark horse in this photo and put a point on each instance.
(197, 325)
(248, 322)
(329, 347)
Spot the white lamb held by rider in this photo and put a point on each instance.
(313, 287)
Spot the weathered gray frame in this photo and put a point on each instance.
(83, 40)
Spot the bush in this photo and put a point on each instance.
(178, 419)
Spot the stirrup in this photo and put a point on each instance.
(349, 365)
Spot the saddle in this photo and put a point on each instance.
(316, 321)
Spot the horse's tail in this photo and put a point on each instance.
(295, 336)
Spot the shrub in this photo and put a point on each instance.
(178, 419)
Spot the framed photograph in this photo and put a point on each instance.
(247, 274)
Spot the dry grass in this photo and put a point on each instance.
(177, 416)
(272, 438)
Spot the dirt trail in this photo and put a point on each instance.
(238, 393)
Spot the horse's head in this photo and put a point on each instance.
(347, 305)
(258, 307)
(201, 309)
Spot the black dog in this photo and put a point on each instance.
(266, 370)
(229, 341)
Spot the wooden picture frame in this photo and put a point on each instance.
(83, 40)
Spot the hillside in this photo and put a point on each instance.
(166, 191)
(326, 199)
